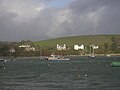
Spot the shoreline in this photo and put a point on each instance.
(98, 55)
(86, 55)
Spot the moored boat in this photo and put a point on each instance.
(108, 55)
(43, 58)
(115, 64)
(91, 56)
(3, 60)
(58, 57)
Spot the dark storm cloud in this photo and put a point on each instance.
(105, 11)
(6, 29)
(34, 20)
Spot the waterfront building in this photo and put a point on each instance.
(77, 47)
(27, 47)
(61, 47)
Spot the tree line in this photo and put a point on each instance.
(5, 47)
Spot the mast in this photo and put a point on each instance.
(40, 51)
(90, 50)
(93, 52)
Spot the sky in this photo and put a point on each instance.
(37, 20)
(58, 3)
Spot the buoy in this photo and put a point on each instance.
(4, 68)
(85, 75)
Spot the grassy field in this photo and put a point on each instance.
(70, 41)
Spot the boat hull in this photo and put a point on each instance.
(57, 58)
(115, 64)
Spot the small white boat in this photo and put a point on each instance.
(57, 57)
(3, 60)
(108, 55)
(6, 60)
(92, 56)
(43, 58)
(92, 53)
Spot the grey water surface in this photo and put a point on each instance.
(80, 73)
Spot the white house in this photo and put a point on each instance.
(27, 47)
(94, 47)
(24, 46)
(61, 47)
(77, 47)
(12, 50)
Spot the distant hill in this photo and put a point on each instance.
(72, 40)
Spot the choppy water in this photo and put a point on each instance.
(81, 73)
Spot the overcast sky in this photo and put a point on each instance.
(45, 19)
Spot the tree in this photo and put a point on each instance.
(5, 50)
(113, 39)
(114, 47)
(106, 48)
(115, 44)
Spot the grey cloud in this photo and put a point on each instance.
(107, 18)
(80, 17)
(110, 22)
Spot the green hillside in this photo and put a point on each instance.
(72, 40)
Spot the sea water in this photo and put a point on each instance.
(80, 73)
